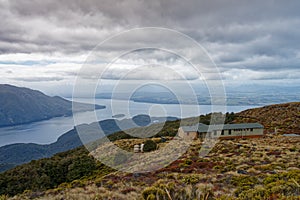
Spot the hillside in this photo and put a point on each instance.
(23, 105)
(244, 169)
(284, 118)
(16, 154)
(266, 168)
(35, 173)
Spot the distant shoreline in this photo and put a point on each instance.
(184, 103)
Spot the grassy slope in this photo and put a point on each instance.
(50, 172)
(284, 117)
(273, 160)
(242, 169)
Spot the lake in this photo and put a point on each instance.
(46, 132)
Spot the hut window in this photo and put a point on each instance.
(222, 133)
(251, 129)
(229, 132)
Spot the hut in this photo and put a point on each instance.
(223, 131)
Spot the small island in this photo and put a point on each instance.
(118, 116)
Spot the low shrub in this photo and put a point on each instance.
(149, 145)
(150, 193)
(259, 193)
(3, 197)
(191, 179)
(241, 181)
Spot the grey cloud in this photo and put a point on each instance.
(257, 35)
(246, 74)
(150, 73)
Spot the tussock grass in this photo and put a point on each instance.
(264, 168)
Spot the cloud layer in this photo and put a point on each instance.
(48, 41)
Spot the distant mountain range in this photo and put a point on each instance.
(233, 98)
(16, 154)
(22, 105)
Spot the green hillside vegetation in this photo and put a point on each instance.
(285, 118)
(50, 172)
(267, 168)
(244, 169)
(70, 165)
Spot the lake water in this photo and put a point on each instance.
(46, 132)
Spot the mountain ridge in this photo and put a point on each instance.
(20, 105)
(277, 118)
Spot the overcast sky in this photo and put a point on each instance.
(43, 44)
